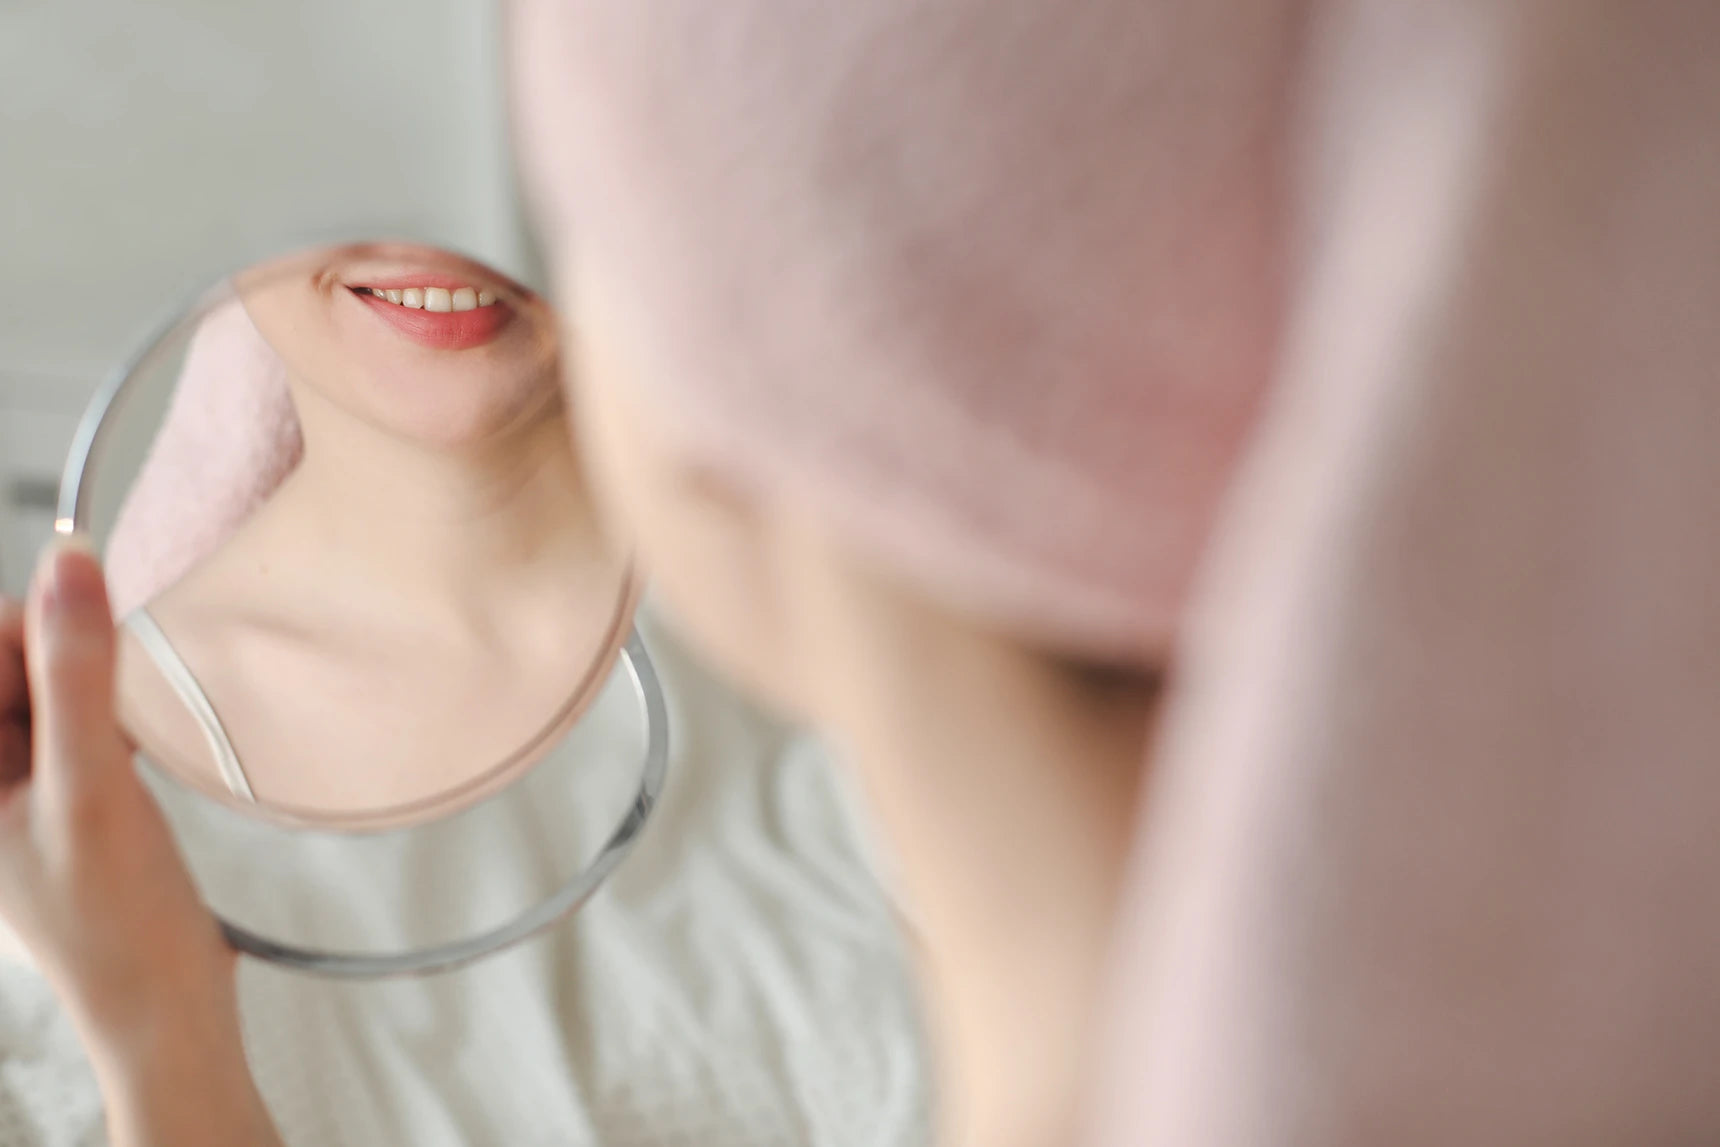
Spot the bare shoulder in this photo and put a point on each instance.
(247, 589)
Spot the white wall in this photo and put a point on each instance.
(147, 147)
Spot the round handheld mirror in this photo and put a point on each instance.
(377, 662)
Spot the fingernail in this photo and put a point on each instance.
(70, 576)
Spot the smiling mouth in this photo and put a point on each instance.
(437, 300)
(444, 315)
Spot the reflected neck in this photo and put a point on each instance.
(442, 529)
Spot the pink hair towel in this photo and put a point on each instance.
(228, 439)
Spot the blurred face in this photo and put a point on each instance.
(418, 343)
(725, 563)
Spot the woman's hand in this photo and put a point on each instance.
(94, 886)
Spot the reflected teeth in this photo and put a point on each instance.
(438, 299)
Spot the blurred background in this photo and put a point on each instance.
(148, 148)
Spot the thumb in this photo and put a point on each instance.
(69, 648)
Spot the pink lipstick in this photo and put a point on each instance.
(439, 311)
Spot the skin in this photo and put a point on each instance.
(417, 560)
(938, 711)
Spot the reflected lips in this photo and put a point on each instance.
(440, 330)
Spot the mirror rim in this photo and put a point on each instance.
(623, 644)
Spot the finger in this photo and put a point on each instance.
(69, 657)
(14, 695)
(14, 701)
(14, 754)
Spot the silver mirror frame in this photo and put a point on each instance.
(72, 514)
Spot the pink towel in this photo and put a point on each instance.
(979, 351)
(228, 439)
(1434, 857)
(1002, 287)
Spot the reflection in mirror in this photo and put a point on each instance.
(373, 645)
(384, 623)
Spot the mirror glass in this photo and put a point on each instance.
(371, 639)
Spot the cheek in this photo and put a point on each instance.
(707, 551)
(297, 322)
